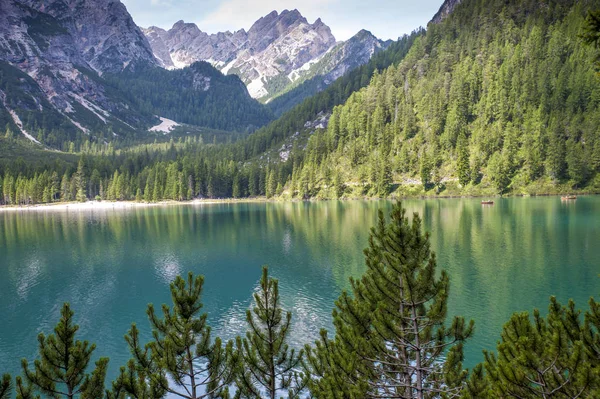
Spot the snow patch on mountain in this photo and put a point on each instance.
(166, 126)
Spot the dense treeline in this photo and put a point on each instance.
(197, 170)
(475, 105)
(169, 171)
(510, 102)
(198, 95)
(391, 339)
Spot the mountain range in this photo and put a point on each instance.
(471, 105)
(278, 52)
(78, 69)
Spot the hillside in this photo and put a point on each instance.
(62, 85)
(479, 106)
(187, 168)
(473, 106)
(276, 55)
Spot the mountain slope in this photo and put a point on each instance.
(341, 59)
(277, 54)
(275, 46)
(197, 95)
(103, 32)
(55, 56)
(480, 105)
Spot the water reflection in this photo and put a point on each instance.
(111, 264)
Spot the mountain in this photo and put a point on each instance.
(445, 10)
(479, 105)
(341, 59)
(103, 32)
(64, 68)
(278, 53)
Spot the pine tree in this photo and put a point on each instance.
(425, 171)
(61, 369)
(54, 186)
(134, 379)
(181, 351)
(390, 339)
(270, 186)
(384, 179)
(543, 358)
(80, 182)
(576, 167)
(462, 162)
(338, 185)
(5, 386)
(236, 189)
(65, 192)
(268, 364)
(591, 34)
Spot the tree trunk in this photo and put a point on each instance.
(418, 363)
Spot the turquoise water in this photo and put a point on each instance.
(110, 264)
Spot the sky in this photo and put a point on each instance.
(386, 19)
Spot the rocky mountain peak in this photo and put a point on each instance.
(445, 10)
(103, 31)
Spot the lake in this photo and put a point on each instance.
(109, 264)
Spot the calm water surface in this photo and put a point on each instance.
(110, 264)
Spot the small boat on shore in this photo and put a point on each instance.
(487, 202)
(568, 197)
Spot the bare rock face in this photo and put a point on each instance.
(102, 31)
(341, 59)
(445, 10)
(273, 47)
(54, 51)
(60, 79)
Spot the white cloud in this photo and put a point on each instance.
(162, 3)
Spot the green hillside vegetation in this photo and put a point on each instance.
(474, 106)
(197, 168)
(508, 104)
(198, 95)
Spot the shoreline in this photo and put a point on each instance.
(127, 205)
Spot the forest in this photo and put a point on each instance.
(472, 106)
(392, 338)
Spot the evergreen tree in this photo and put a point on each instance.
(576, 167)
(425, 171)
(591, 34)
(462, 163)
(80, 182)
(5, 386)
(391, 340)
(236, 189)
(61, 369)
(65, 192)
(181, 351)
(543, 358)
(135, 380)
(271, 186)
(268, 364)
(384, 179)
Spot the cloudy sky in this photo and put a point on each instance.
(386, 19)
